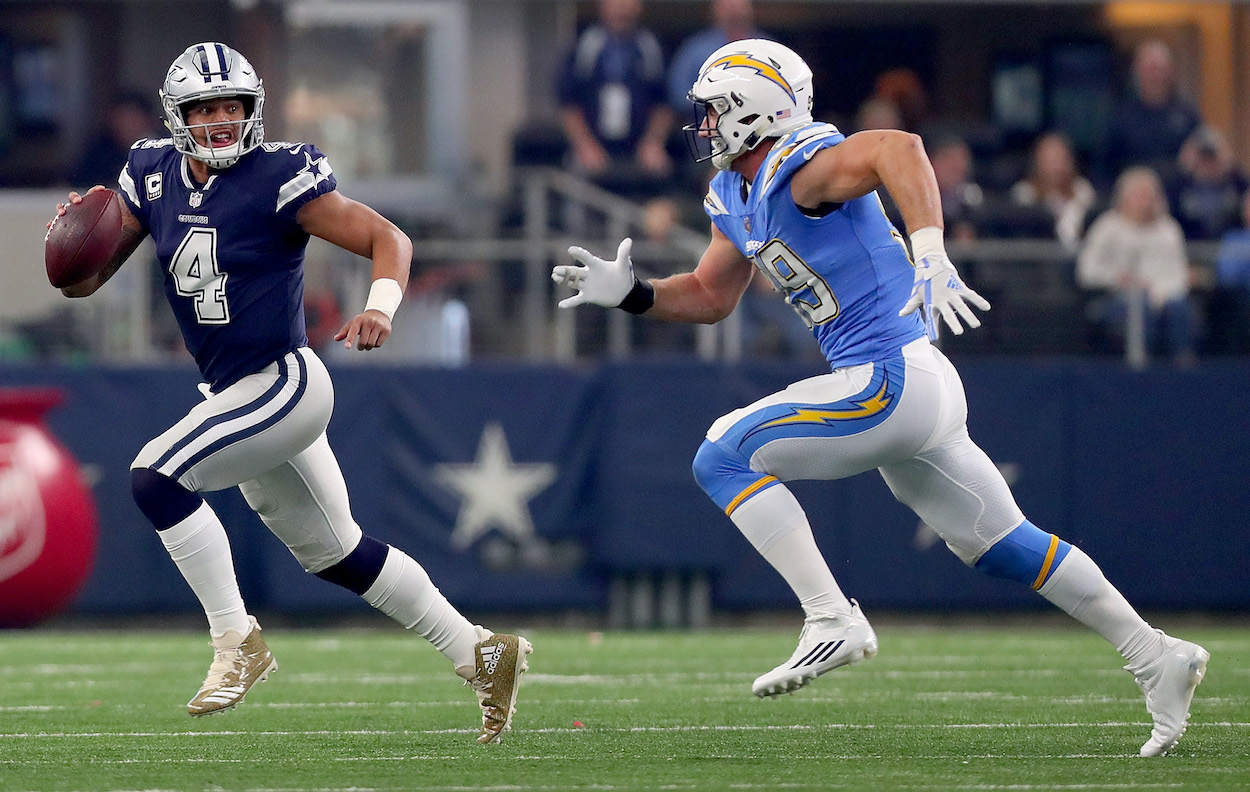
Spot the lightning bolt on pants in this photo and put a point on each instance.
(904, 416)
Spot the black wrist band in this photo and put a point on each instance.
(640, 298)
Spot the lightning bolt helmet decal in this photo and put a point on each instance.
(747, 91)
(765, 69)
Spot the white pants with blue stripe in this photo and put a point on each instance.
(266, 435)
(921, 447)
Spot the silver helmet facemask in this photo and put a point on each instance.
(213, 71)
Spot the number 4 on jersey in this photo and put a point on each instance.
(196, 275)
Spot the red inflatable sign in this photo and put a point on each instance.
(47, 513)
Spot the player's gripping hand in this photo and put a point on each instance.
(74, 198)
(597, 281)
(939, 291)
(367, 330)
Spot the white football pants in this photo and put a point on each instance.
(266, 435)
(922, 448)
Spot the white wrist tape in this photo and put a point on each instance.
(384, 296)
(926, 241)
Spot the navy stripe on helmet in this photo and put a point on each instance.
(215, 421)
(211, 69)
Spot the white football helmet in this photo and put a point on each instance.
(209, 71)
(758, 88)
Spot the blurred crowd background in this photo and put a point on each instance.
(1091, 156)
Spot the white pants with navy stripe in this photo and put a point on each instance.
(922, 449)
(266, 435)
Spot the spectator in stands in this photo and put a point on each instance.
(905, 90)
(1206, 199)
(1152, 123)
(660, 217)
(1232, 267)
(1228, 308)
(130, 116)
(1136, 251)
(962, 198)
(612, 105)
(1055, 184)
(878, 112)
(732, 20)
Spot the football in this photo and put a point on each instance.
(84, 239)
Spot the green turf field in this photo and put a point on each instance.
(1023, 709)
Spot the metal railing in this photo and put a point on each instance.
(543, 191)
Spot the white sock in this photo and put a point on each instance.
(1143, 648)
(405, 592)
(1079, 588)
(775, 523)
(200, 548)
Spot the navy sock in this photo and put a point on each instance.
(358, 571)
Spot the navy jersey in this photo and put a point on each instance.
(847, 273)
(231, 249)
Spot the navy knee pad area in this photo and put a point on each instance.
(162, 500)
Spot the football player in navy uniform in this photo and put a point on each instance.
(231, 215)
(797, 200)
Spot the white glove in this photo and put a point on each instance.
(939, 290)
(597, 281)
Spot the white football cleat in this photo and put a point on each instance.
(824, 644)
(1169, 684)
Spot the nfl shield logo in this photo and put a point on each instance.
(746, 223)
(196, 199)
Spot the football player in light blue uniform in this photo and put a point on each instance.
(796, 200)
(231, 216)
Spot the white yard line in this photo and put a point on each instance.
(614, 729)
(811, 699)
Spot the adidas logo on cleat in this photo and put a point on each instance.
(821, 653)
(490, 658)
(500, 661)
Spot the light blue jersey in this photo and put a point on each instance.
(846, 273)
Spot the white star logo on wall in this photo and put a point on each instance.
(495, 491)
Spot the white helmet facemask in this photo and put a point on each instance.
(213, 71)
(757, 89)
